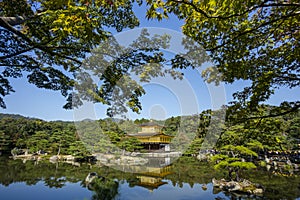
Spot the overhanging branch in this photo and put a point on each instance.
(293, 109)
(262, 5)
(255, 28)
(34, 45)
(16, 53)
(18, 20)
(13, 21)
(197, 9)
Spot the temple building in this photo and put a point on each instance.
(152, 137)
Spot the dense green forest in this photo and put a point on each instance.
(253, 136)
(18, 134)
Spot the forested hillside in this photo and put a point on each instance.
(260, 135)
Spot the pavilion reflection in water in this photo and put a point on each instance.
(153, 175)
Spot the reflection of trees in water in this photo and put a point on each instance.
(184, 170)
(31, 172)
(104, 189)
(56, 182)
(190, 170)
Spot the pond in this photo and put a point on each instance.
(186, 178)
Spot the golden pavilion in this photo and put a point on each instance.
(152, 137)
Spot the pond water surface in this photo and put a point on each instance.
(185, 179)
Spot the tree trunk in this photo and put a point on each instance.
(230, 173)
(237, 177)
(13, 21)
(58, 151)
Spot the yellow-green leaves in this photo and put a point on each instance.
(157, 10)
(246, 39)
(56, 35)
(75, 21)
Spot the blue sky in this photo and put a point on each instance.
(162, 100)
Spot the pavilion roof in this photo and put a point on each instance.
(151, 124)
(150, 134)
(145, 134)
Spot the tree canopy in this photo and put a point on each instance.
(47, 41)
(60, 45)
(249, 40)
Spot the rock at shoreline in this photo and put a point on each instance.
(53, 158)
(118, 160)
(91, 176)
(202, 157)
(244, 186)
(68, 158)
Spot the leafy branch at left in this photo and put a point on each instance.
(46, 41)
